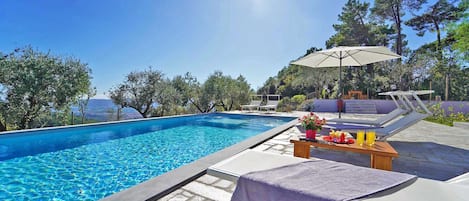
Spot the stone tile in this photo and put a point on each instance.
(207, 191)
(277, 142)
(281, 137)
(207, 179)
(261, 147)
(171, 195)
(223, 184)
(187, 194)
(179, 198)
(278, 147)
(199, 198)
(274, 151)
(232, 189)
(289, 149)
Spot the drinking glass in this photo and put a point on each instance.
(360, 137)
(370, 138)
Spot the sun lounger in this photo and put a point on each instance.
(271, 105)
(399, 125)
(253, 105)
(419, 189)
(382, 133)
(377, 122)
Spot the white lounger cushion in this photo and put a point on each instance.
(460, 180)
(424, 189)
(249, 161)
(377, 122)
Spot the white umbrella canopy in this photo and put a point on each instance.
(346, 56)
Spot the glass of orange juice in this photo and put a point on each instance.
(370, 138)
(360, 137)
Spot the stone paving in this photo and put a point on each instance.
(425, 149)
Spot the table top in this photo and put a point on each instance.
(380, 147)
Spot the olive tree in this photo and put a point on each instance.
(83, 101)
(225, 92)
(37, 85)
(139, 91)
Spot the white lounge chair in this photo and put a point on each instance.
(420, 189)
(253, 105)
(271, 105)
(377, 122)
(382, 133)
(399, 125)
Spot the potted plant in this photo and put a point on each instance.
(312, 124)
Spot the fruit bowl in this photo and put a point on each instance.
(338, 140)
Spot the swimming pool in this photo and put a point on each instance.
(91, 162)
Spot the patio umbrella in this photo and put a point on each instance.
(346, 56)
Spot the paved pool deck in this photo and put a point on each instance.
(426, 149)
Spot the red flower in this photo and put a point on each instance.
(312, 122)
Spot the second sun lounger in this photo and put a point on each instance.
(253, 105)
(271, 105)
(377, 122)
(382, 133)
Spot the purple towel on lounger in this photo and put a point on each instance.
(315, 180)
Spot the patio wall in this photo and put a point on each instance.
(386, 106)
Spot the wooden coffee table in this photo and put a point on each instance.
(381, 153)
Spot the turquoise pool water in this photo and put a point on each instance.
(91, 162)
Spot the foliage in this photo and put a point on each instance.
(394, 10)
(168, 99)
(297, 100)
(139, 91)
(284, 105)
(312, 122)
(38, 85)
(356, 28)
(461, 39)
(293, 80)
(307, 105)
(458, 31)
(435, 19)
(83, 101)
(224, 92)
(288, 104)
(439, 115)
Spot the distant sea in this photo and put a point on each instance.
(105, 110)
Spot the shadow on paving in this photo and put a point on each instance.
(425, 159)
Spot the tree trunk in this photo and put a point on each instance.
(438, 39)
(446, 86)
(3, 126)
(399, 34)
(197, 106)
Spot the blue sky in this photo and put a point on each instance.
(255, 38)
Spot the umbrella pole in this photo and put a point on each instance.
(340, 83)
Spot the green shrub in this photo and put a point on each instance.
(284, 105)
(439, 115)
(298, 99)
(307, 105)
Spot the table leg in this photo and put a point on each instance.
(301, 150)
(381, 162)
